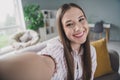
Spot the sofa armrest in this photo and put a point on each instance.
(114, 59)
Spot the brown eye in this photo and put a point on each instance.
(70, 25)
(81, 19)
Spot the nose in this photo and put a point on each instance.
(78, 27)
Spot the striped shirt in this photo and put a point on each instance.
(54, 49)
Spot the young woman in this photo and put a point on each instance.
(70, 55)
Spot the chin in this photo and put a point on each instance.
(81, 41)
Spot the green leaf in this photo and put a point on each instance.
(34, 16)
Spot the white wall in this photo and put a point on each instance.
(96, 10)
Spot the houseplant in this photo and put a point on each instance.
(33, 17)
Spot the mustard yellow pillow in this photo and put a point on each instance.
(103, 60)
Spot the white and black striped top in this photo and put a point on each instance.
(54, 49)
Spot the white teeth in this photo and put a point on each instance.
(78, 35)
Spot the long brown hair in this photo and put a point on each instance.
(86, 58)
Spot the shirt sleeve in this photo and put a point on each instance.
(54, 49)
(94, 61)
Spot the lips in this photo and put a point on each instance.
(79, 35)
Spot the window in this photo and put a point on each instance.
(11, 20)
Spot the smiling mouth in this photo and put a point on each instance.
(79, 35)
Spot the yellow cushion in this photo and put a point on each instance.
(103, 60)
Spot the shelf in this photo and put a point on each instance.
(49, 30)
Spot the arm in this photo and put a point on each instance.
(27, 67)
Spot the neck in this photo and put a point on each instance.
(75, 46)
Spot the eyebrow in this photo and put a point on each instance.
(78, 18)
(68, 21)
(81, 16)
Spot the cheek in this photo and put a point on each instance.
(87, 27)
(68, 32)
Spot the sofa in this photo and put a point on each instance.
(114, 60)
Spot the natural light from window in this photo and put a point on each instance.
(6, 10)
(11, 20)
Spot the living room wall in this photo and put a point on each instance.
(96, 10)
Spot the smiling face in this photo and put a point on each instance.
(75, 26)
